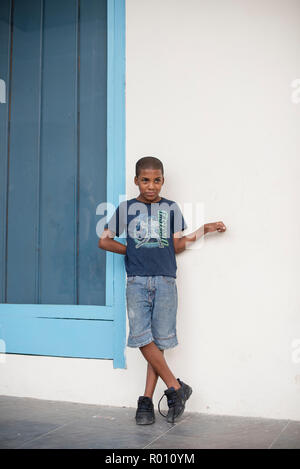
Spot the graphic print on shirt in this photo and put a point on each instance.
(150, 231)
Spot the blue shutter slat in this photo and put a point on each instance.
(4, 75)
(58, 187)
(23, 154)
(93, 148)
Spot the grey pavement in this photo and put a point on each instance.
(35, 423)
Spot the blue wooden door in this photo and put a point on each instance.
(62, 62)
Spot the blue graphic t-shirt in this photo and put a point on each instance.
(148, 229)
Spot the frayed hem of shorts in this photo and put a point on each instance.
(141, 345)
(166, 347)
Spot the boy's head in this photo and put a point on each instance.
(148, 162)
(149, 176)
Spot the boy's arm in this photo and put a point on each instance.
(107, 242)
(180, 241)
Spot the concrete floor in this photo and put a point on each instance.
(34, 423)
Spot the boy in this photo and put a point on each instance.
(153, 236)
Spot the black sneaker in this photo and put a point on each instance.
(176, 401)
(186, 389)
(145, 411)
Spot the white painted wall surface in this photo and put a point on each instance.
(208, 91)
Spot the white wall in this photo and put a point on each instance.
(208, 91)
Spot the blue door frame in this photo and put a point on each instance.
(85, 331)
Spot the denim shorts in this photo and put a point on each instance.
(152, 309)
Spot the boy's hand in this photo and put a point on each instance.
(217, 226)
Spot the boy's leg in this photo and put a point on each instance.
(151, 380)
(156, 359)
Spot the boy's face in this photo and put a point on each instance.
(150, 182)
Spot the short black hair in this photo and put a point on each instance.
(148, 162)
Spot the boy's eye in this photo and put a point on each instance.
(156, 180)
